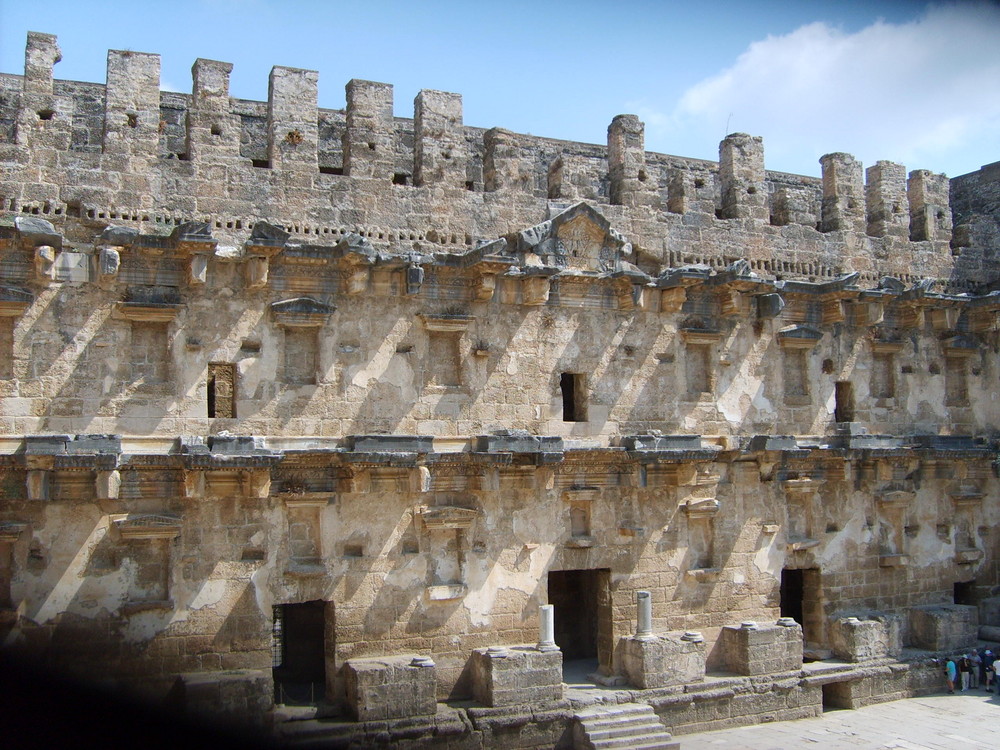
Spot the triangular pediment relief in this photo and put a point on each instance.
(578, 238)
(301, 312)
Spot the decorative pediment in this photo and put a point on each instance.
(147, 526)
(11, 530)
(147, 312)
(446, 323)
(193, 237)
(301, 312)
(580, 237)
(895, 497)
(694, 335)
(701, 508)
(13, 302)
(960, 346)
(799, 337)
(447, 517)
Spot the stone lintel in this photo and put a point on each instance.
(447, 517)
(147, 526)
(446, 323)
(147, 312)
(700, 335)
(799, 337)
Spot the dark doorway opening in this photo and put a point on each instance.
(791, 594)
(802, 600)
(574, 396)
(965, 592)
(836, 695)
(844, 408)
(298, 653)
(582, 601)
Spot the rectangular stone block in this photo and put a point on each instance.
(368, 141)
(438, 149)
(240, 696)
(874, 636)
(132, 104)
(753, 649)
(660, 661)
(390, 687)
(507, 676)
(943, 627)
(292, 129)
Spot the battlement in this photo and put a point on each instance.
(127, 152)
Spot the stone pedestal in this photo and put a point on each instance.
(663, 660)
(943, 627)
(756, 649)
(242, 696)
(866, 637)
(507, 676)
(390, 687)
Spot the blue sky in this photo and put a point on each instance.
(910, 82)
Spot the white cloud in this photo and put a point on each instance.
(925, 93)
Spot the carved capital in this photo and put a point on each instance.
(45, 262)
(535, 290)
(108, 484)
(257, 270)
(484, 286)
(194, 483)
(37, 484)
(255, 482)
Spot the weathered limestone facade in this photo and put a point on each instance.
(293, 396)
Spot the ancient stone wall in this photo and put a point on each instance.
(421, 379)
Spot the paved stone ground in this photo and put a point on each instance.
(970, 721)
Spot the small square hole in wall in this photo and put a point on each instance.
(354, 550)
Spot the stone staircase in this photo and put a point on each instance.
(629, 726)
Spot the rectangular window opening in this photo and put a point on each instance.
(574, 396)
(956, 385)
(698, 370)
(844, 408)
(795, 373)
(300, 356)
(883, 382)
(221, 391)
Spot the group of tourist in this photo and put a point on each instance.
(971, 670)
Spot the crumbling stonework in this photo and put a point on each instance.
(286, 393)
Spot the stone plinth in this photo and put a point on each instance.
(242, 696)
(516, 675)
(943, 627)
(663, 660)
(989, 611)
(868, 637)
(753, 649)
(390, 687)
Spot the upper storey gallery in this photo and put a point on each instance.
(85, 155)
(174, 264)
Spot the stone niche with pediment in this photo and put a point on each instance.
(579, 238)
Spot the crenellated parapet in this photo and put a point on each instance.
(158, 159)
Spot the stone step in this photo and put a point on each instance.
(628, 730)
(626, 726)
(646, 743)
